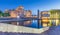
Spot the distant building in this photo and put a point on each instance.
(6, 11)
(35, 16)
(13, 14)
(19, 12)
(28, 13)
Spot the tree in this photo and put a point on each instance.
(6, 14)
(1, 13)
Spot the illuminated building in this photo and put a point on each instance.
(55, 15)
(45, 18)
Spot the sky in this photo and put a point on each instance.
(32, 5)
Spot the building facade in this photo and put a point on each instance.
(55, 15)
(45, 18)
(28, 13)
(19, 12)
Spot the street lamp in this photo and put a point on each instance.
(17, 18)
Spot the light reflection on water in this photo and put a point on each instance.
(33, 24)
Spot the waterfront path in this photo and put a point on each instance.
(54, 30)
(14, 29)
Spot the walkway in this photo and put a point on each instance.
(54, 30)
(14, 29)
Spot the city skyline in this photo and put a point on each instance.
(33, 5)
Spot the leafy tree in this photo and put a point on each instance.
(1, 13)
(6, 14)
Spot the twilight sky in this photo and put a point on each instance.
(33, 5)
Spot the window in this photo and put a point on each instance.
(45, 15)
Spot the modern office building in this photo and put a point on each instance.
(55, 15)
(45, 18)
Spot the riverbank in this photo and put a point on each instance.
(13, 28)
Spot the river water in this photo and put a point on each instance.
(33, 24)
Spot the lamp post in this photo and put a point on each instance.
(17, 22)
(38, 19)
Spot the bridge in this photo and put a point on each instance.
(9, 19)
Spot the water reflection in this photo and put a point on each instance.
(34, 24)
(31, 23)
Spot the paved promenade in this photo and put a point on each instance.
(54, 30)
(14, 28)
